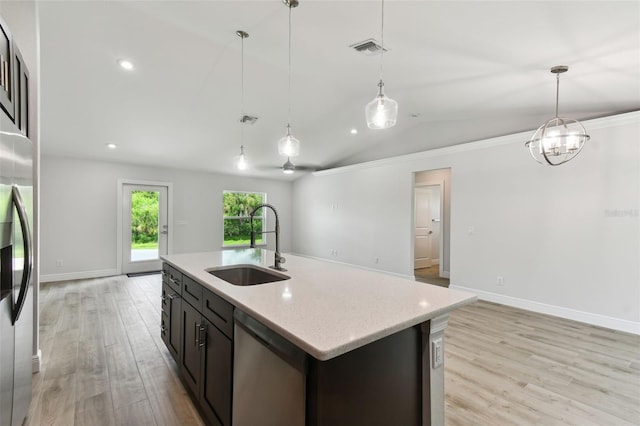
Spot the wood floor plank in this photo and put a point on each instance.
(138, 414)
(96, 410)
(169, 401)
(56, 406)
(125, 382)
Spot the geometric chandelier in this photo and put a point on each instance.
(559, 139)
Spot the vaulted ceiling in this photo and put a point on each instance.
(460, 70)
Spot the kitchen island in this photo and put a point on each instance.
(368, 346)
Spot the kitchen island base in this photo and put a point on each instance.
(339, 346)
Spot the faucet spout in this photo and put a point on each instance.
(279, 259)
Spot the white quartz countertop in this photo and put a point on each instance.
(326, 308)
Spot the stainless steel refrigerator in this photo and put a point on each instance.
(16, 262)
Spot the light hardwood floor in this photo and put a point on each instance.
(105, 364)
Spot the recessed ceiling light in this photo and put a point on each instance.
(111, 145)
(125, 64)
(354, 131)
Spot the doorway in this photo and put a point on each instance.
(144, 226)
(432, 192)
(427, 226)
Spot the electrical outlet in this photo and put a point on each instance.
(376, 260)
(471, 230)
(59, 263)
(500, 281)
(437, 352)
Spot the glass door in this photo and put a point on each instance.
(144, 226)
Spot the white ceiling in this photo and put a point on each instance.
(460, 70)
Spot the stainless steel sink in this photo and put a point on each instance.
(245, 275)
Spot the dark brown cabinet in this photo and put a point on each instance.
(7, 83)
(14, 81)
(216, 369)
(21, 91)
(171, 310)
(202, 343)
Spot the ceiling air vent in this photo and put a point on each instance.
(368, 47)
(248, 119)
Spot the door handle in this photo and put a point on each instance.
(26, 240)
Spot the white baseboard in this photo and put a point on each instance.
(78, 275)
(558, 311)
(35, 362)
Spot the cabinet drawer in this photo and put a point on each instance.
(175, 279)
(192, 292)
(218, 311)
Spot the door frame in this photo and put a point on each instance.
(121, 183)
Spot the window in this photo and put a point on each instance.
(236, 207)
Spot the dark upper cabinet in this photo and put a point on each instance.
(21, 86)
(14, 81)
(7, 82)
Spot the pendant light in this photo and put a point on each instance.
(559, 139)
(382, 111)
(288, 167)
(289, 146)
(241, 161)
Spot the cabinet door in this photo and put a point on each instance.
(190, 364)
(217, 378)
(21, 87)
(7, 97)
(175, 314)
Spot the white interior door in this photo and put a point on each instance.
(423, 229)
(144, 227)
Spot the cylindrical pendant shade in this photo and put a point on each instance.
(289, 146)
(382, 112)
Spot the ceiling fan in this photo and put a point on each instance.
(289, 168)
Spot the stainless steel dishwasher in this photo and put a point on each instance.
(269, 376)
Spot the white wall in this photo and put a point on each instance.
(79, 212)
(566, 239)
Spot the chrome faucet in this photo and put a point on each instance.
(279, 260)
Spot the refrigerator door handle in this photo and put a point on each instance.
(28, 258)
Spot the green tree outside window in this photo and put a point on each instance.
(237, 224)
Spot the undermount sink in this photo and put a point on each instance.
(245, 275)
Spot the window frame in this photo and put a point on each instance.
(262, 215)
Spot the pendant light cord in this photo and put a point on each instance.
(289, 89)
(381, 39)
(242, 95)
(557, 92)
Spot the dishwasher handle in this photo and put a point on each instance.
(286, 350)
